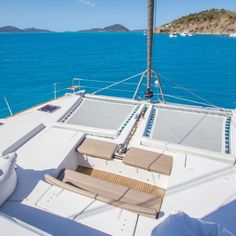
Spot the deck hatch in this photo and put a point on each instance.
(49, 108)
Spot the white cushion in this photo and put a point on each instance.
(8, 177)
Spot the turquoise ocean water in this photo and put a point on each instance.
(31, 62)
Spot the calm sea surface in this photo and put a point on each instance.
(31, 62)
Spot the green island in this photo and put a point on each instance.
(212, 21)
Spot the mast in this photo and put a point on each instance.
(149, 72)
(150, 13)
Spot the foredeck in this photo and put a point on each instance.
(201, 186)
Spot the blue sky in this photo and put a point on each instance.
(62, 15)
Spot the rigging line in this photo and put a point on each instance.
(58, 91)
(122, 81)
(208, 91)
(192, 93)
(63, 82)
(139, 84)
(25, 102)
(98, 81)
(32, 91)
(104, 81)
(185, 99)
(118, 90)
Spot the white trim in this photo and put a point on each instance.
(172, 147)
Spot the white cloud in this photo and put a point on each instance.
(88, 3)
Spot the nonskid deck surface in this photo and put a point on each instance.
(122, 180)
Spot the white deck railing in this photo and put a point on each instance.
(130, 87)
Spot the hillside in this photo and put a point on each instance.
(34, 30)
(111, 28)
(206, 22)
(12, 29)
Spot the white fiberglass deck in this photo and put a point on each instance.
(191, 129)
(200, 186)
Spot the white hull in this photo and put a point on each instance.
(186, 35)
(173, 35)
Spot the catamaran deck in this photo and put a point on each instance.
(195, 180)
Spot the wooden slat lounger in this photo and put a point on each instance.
(111, 193)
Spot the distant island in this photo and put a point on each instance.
(212, 21)
(12, 29)
(111, 28)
